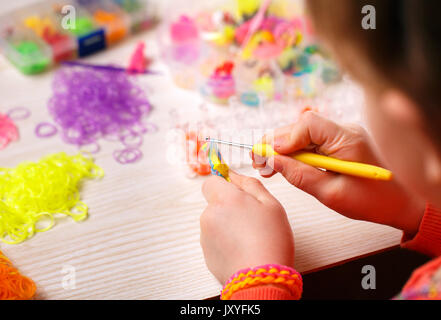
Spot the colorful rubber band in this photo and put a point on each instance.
(33, 195)
(217, 165)
(19, 113)
(267, 274)
(14, 286)
(128, 155)
(45, 130)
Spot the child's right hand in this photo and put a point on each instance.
(361, 199)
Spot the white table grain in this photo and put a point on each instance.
(141, 240)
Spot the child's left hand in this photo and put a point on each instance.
(243, 226)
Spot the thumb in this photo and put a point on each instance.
(307, 178)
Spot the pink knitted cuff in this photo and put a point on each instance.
(263, 292)
(428, 238)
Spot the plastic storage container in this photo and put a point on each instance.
(90, 36)
(257, 79)
(109, 16)
(215, 80)
(44, 24)
(140, 13)
(35, 37)
(302, 67)
(25, 50)
(182, 49)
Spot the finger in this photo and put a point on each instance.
(258, 161)
(267, 172)
(258, 166)
(279, 132)
(251, 186)
(264, 170)
(215, 189)
(304, 177)
(311, 129)
(267, 176)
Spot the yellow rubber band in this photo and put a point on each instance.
(32, 192)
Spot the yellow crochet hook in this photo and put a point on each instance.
(319, 161)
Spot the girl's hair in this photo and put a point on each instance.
(404, 51)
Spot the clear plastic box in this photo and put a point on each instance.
(43, 23)
(303, 85)
(27, 52)
(215, 81)
(182, 49)
(109, 16)
(90, 36)
(141, 13)
(257, 79)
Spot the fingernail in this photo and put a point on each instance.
(275, 165)
(259, 160)
(270, 162)
(266, 171)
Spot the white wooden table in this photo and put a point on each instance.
(141, 240)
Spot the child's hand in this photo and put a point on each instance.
(362, 199)
(243, 226)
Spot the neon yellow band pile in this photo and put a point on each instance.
(34, 194)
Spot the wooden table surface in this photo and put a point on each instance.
(141, 240)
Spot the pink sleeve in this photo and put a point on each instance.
(428, 238)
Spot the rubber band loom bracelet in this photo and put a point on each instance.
(267, 274)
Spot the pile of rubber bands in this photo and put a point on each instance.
(32, 195)
(8, 129)
(90, 103)
(13, 285)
